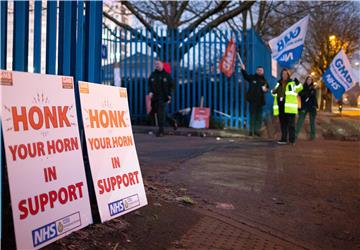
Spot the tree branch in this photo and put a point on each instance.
(131, 8)
(137, 34)
(181, 10)
(213, 24)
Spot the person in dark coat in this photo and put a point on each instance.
(308, 105)
(160, 88)
(258, 86)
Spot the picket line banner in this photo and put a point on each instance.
(338, 77)
(287, 48)
(227, 63)
(111, 149)
(48, 188)
(200, 117)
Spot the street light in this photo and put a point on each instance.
(332, 37)
(313, 73)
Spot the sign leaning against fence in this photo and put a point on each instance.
(338, 77)
(112, 154)
(48, 188)
(287, 48)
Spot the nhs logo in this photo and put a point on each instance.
(122, 205)
(55, 229)
(44, 234)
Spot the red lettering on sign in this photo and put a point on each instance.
(39, 203)
(34, 149)
(109, 184)
(40, 117)
(107, 119)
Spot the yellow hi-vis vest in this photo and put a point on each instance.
(291, 100)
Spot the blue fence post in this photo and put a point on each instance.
(177, 81)
(205, 75)
(131, 82)
(140, 77)
(51, 16)
(226, 89)
(193, 102)
(231, 92)
(136, 79)
(37, 37)
(182, 70)
(199, 71)
(65, 26)
(60, 44)
(147, 63)
(79, 43)
(188, 70)
(172, 56)
(125, 63)
(210, 82)
(215, 107)
(3, 33)
(94, 41)
(21, 36)
(237, 102)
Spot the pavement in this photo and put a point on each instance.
(225, 190)
(305, 196)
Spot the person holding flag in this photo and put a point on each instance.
(308, 105)
(285, 105)
(255, 96)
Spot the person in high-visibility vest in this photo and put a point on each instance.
(285, 105)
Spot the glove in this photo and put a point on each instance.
(296, 81)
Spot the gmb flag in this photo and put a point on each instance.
(287, 48)
(338, 76)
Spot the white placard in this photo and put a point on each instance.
(48, 188)
(111, 149)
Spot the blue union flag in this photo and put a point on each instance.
(287, 48)
(338, 77)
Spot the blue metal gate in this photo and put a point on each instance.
(194, 62)
(75, 52)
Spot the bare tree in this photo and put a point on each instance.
(185, 19)
(332, 27)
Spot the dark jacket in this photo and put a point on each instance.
(308, 98)
(161, 85)
(255, 95)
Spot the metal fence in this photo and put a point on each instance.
(194, 58)
(53, 37)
